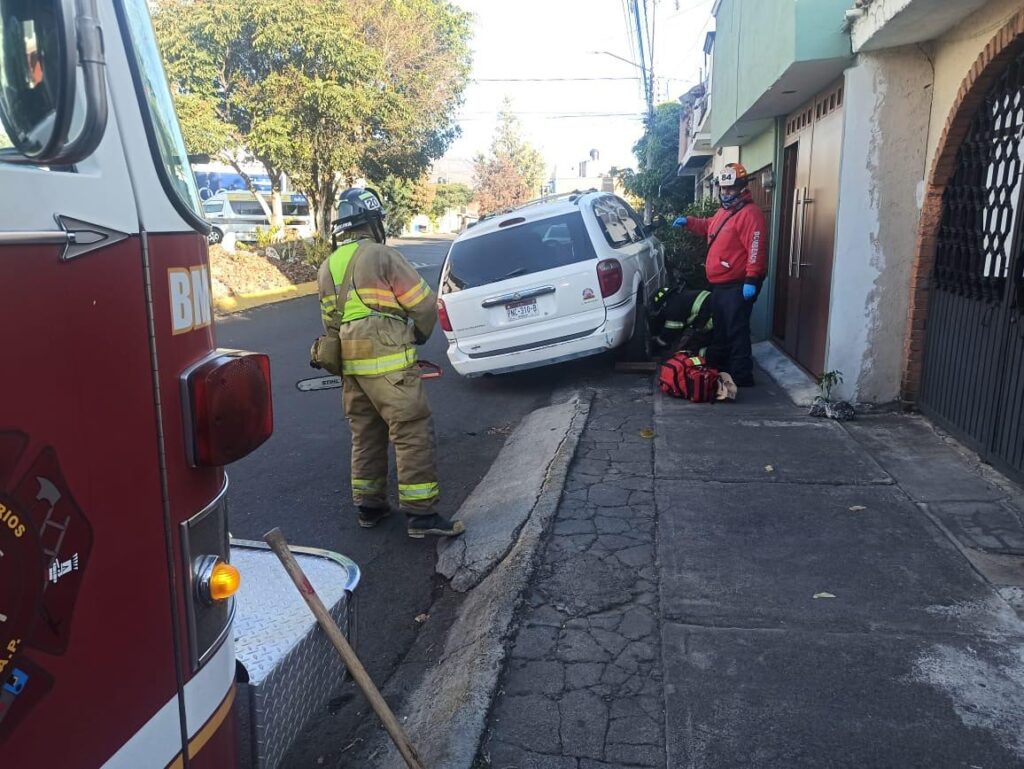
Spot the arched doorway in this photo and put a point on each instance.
(972, 381)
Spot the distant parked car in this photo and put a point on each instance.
(550, 281)
(241, 213)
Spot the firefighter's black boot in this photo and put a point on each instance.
(371, 516)
(420, 526)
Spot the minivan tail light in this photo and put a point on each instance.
(609, 275)
(442, 316)
(228, 407)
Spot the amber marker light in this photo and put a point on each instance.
(216, 579)
(224, 581)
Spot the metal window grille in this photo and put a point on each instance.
(982, 201)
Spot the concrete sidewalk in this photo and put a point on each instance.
(757, 588)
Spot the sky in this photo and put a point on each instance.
(547, 39)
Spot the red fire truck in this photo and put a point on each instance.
(119, 640)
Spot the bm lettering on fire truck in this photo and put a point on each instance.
(7, 654)
(11, 519)
(191, 307)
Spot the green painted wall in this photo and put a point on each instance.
(724, 82)
(759, 152)
(819, 29)
(756, 41)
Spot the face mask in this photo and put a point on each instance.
(728, 199)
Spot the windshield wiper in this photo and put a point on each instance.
(517, 271)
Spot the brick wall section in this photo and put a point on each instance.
(989, 65)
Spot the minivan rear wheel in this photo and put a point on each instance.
(638, 348)
(215, 236)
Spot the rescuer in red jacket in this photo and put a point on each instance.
(736, 264)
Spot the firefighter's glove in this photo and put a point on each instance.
(749, 292)
(680, 222)
(418, 338)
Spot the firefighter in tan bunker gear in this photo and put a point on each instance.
(380, 309)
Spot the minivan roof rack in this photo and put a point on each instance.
(573, 197)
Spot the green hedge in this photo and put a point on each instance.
(685, 252)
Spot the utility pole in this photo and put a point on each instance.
(649, 76)
(647, 71)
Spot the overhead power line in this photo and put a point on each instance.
(689, 8)
(547, 79)
(574, 116)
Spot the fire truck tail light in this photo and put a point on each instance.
(228, 405)
(215, 579)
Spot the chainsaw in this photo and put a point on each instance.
(427, 369)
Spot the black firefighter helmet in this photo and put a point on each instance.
(359, 209)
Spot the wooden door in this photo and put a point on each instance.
(820, 206)
(810, 199)
(795, 175)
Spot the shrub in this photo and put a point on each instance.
(685, 253)
(318, 248)
(267, 236)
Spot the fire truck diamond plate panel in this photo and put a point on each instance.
(293, 669)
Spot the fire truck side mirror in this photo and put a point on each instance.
(46, 46)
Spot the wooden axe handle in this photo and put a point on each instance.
(278, 544)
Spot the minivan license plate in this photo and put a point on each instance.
(524, 309)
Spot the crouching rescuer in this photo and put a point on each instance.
(735, 267)
(376, 308)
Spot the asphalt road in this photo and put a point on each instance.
(299, 480)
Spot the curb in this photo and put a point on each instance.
(446, 714)
(503, 501)
(226, 305)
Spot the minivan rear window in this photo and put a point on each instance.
(521, 250)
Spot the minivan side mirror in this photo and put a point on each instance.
(44, 43)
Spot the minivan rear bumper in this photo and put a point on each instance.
(615, 331)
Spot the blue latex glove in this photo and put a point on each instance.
(680, 222)
(749, 291)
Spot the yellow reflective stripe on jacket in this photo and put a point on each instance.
(412, 492)
(415, 295)
(376, 296)
(675, 324)
(385, 364)
(328, 308)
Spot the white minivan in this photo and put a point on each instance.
(552, 280)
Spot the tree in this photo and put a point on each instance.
(326, 91)
(398, 195)
(450, 196)
(657, 154)
(512, 171)
(424, 193)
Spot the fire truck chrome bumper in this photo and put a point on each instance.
(288, 670)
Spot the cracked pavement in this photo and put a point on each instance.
(756, 588)
(583, 686)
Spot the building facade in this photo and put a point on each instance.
(890, 135)
(589, 173)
